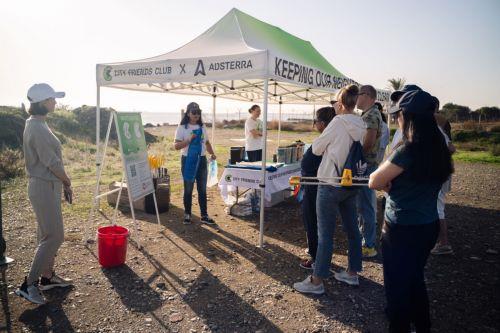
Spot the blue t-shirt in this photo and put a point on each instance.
(410, 202)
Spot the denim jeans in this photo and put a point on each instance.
(201, 186)
(330, 202)
(405, 249)
(367, 212)
(310, 219)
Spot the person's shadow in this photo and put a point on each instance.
(5, 302)
(207, 296)
(134, 293)
(36, 319)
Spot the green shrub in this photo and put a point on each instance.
(464, 136)
(476, 157)
(472, 126)
(495, 150)
(65, 122)
(495, 129)
(11, 163)
(11, 126)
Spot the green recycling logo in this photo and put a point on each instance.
(107, 73)
(229, 178)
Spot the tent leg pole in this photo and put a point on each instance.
(279, 123)
(98, 139)
(115, 215)
(264, 155)
(95, 201)
(212, 141)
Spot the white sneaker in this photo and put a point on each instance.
(54, 281)
(343, 276)
(307, 287)
(31, 293)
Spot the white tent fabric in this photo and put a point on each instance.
(235, 56)
(241, 58)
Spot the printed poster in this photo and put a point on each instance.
(134, 154)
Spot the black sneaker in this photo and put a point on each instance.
(54, 282)
(187, 219)
(207, 220)
(31, 293)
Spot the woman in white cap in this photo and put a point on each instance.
(46, 180)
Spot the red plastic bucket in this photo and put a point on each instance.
(112, 244)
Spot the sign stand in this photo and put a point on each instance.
(136, 148)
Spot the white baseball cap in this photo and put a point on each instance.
(42, 91)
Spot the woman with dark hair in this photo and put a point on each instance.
(192, 139)
(334, 145)
(412, 176)
(46, 181)
(309, 168)
(253, 135)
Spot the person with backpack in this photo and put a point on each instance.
(309, 168)
(412, 176)
(334, 145)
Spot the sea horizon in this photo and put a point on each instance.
(174, 118)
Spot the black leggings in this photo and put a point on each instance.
(405, 249)
(310, 218)
(254, 155)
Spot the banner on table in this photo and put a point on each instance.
(247, 178)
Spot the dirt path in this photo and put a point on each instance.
(199, 279)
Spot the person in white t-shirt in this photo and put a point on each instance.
(253, 135)
(192, 131)
(442, 245)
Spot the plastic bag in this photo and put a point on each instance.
(212, 173)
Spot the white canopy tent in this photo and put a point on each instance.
(238, 58)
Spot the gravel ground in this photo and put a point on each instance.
(201, 279)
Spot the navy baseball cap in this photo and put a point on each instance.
(396, 95)
(417, 102)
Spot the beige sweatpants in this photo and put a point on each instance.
(45, 197)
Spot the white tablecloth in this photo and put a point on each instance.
(247, 178)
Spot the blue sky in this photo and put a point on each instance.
(450, 48)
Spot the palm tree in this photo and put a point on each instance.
(396, 83)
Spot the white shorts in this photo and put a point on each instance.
(440, 204)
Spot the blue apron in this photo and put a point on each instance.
(193, 156)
